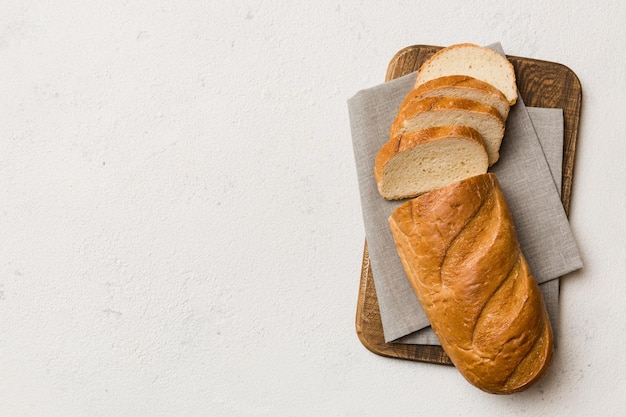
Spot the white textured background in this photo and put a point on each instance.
(180, 227)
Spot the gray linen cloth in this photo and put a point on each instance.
(527, 182)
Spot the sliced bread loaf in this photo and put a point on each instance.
(419, 161)
(461, 86)
(476, 61)
(451, 111)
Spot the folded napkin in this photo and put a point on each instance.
(523, 172)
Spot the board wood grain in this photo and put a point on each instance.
(540, 84)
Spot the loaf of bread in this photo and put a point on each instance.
(461, 86)
(418, 161)
(476, 61)
(452, 111)
(461, 255)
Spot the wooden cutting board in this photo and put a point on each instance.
(540, 84)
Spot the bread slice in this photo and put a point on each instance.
(473, 60)
(419, 161)
(461, 86)
(451, 111)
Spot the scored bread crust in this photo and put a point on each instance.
(476, 61)
(461, 255)
(461, 86)
(446, 111)
(449, 167)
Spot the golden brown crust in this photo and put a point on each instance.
(440, 104)
(385, 153)
(461, 255)
(414, 138)
(463, 82)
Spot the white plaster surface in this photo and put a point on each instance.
(180, 226)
